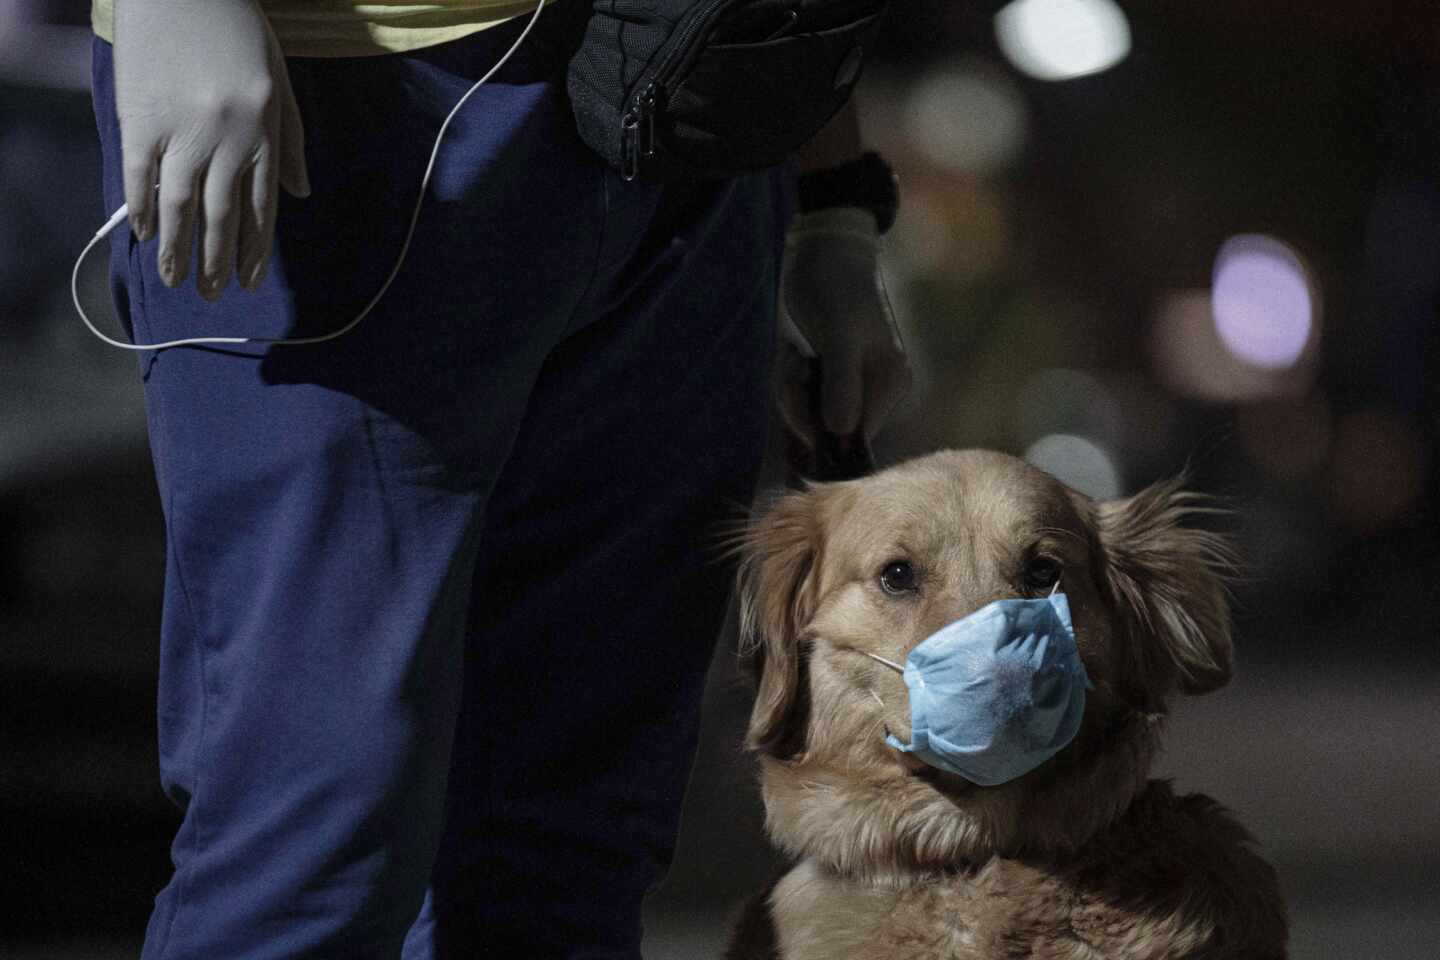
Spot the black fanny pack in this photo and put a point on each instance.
(666, 89)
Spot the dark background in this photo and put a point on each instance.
(1050, 271)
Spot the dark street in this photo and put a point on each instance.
(1065, 270)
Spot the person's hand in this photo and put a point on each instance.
(832, 293)
(207, 113)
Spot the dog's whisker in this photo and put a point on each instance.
(876, 728)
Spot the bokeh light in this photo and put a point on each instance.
(967, 117)
(1068, 402)
(1289, 438)
(1262, 301)
(954, 223)
(1376, 469)
(1063, 39)
(1078, 462)
(1191, 359)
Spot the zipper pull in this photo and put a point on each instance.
(629, 146)
(637, 132)
(647, 111)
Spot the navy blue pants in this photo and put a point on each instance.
(441, 594)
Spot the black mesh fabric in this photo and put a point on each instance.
(621, 41)
(740, 83)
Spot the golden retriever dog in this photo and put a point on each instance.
(1083, 857)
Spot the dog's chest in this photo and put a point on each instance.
(1004, 909)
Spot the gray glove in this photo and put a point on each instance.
(831, 292)
(206, 111)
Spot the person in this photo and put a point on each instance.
(440, 593)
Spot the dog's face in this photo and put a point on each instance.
(879, 564)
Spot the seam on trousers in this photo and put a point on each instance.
(367, 424)
(192, 810)
(180, 877)
(582, 303)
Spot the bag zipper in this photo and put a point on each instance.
(636, 142)
(637, 123)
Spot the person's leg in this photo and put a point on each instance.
(323, 504)
(600, 590)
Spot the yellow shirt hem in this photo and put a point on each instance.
(348, 28)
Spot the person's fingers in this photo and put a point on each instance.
(293, 175)
(841, 389)
(179, 193)
(258, 198)
(141, 167)
(794, 390)
(219, 222)
(888, 379)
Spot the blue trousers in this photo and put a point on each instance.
(441, 594)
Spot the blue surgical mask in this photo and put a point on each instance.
(997, 693)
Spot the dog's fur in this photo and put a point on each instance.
(1084, 857)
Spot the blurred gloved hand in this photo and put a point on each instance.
(832, 294)
(207, 113)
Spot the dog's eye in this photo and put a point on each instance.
(1042, 573)
(898, 577)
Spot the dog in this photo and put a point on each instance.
(1082, 858)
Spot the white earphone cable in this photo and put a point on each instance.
(121, 214)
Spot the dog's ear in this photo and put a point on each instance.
(779, 552)
(1171, 580)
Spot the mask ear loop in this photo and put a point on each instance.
(889, 663)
